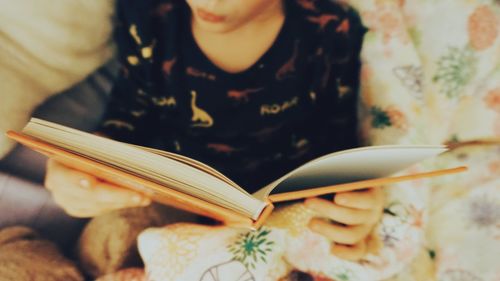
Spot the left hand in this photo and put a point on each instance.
(352, 216)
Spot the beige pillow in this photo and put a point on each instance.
(25, 256)
(109, 242)
(46, 47)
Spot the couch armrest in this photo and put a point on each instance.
(80, 107)
(26, 203)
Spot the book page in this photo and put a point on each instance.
(350, 166)
(152, 166)
(193, 163)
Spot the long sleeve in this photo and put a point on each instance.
(131, 113)
(338, 78)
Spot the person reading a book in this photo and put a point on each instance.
(253, 88)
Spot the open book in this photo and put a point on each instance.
(190, 185)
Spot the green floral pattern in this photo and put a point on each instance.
(455, 69)
(380, 118)
(252, 247)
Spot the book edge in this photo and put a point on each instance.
(212, 210)
(301, 194)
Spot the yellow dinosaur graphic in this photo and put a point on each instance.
(200, 115)
(146, 51)
(133, 32)
(164, 101)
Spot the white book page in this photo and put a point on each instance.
(193, 163)
(351, 165)
(164, 170)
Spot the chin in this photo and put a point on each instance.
(215, 27)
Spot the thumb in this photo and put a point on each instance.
(119, 197)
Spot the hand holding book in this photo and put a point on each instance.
(192, 186)
(83, 195)
(350, 219)
(351, 215)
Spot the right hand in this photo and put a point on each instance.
(83, 195)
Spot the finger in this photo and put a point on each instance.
(119, 197)
(61, 176)
(91, 187)
(338, 213)
(87, 203)
(365, 199)
(348, 235)
(80, 194)
(75, 207)
(349, 252)
(50, 175)
(374, 243)
(66, 187)
(82, 213)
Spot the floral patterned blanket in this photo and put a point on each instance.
(431, 74)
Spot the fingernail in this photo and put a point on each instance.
(85, 183)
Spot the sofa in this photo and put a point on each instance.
(429, 76)
(23, 199)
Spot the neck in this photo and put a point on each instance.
(237, 49)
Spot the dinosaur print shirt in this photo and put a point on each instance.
(297, 102)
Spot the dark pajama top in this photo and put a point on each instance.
(297, 102)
